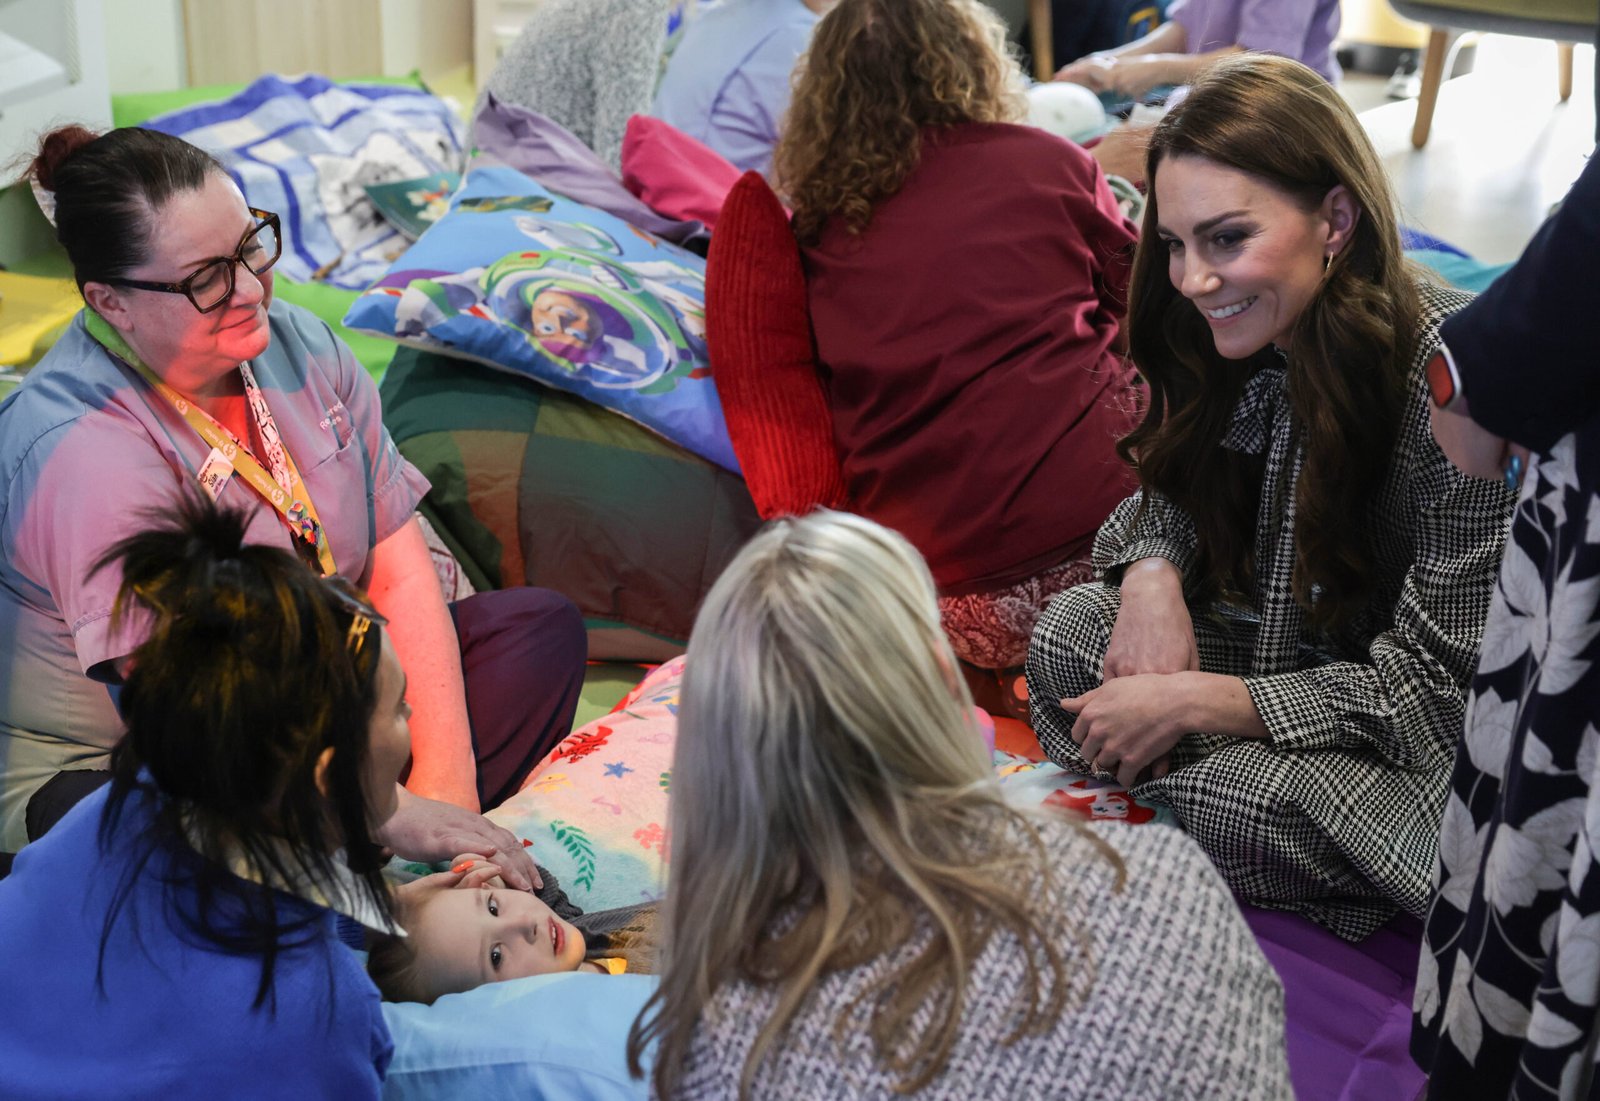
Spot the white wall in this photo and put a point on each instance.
(72, 33)
(132, 46)
(145, 45)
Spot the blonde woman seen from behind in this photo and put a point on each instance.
(884, 921)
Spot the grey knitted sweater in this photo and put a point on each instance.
(587, 64)
(1180, 1004)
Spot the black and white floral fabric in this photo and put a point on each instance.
(1508, 990)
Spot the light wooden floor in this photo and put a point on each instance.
(1503, 148)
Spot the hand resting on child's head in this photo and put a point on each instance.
(465, 927)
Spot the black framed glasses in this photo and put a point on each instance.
(211, 284)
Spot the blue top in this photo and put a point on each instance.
(727, 84)
(175, 1017)
(1301, 29)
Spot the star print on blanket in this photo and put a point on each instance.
(596, 808)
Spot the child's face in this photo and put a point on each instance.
(467, 937)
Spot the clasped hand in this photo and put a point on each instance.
(1144, 704)
(1130, 724)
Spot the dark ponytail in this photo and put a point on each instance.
(244, 679)
(106, 187)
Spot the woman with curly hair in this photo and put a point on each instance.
(1290, 609)
(965, 279)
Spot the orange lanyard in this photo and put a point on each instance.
(282, 488)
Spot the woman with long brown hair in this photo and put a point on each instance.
(855, 911)
(965, 278)
(1292, 604)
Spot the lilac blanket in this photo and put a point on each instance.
(1348, 1006)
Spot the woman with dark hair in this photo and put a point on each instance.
(176, 933)
(854, 909)
(1291, 606)
(183, 368)
(965, 278)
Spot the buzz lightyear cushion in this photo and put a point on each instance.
(522, 279)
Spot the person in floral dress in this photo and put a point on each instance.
(1509, 982)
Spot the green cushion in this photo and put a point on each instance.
(604, 683)
(534, 486)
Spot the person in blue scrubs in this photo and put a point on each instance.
(178, 932)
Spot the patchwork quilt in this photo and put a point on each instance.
(532, 486)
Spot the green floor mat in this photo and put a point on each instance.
(604, 685)
(330, 304)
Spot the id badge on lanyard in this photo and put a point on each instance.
(282, 487)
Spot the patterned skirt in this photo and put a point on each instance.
(991, 630)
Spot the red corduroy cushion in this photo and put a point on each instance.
(674, 174)
(758, 331)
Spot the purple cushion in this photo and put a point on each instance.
(1348, 1006)
(542, 148)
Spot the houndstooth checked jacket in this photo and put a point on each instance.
(1335, 815)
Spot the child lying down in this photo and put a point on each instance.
(466, 928)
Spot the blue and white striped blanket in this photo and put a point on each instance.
(305, 148)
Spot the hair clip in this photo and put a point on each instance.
(362, 615)
(360, 623)
(46, 200)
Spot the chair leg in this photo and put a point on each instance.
(1564, 69)
(1044, 66)
(1439, 39)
